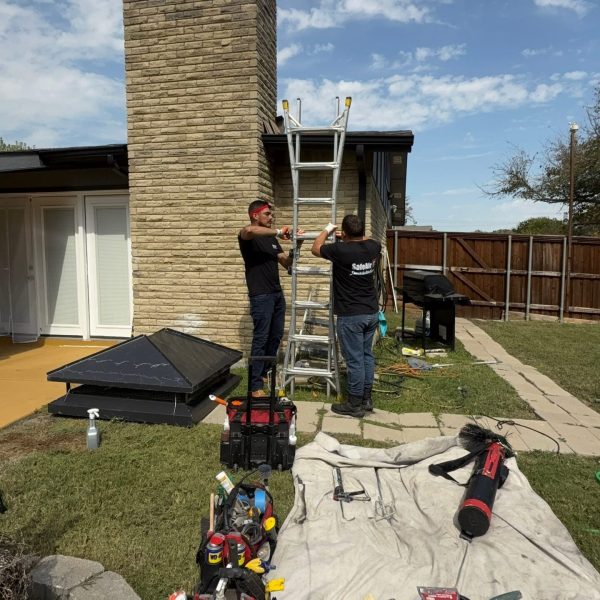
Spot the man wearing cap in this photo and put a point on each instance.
(356, 306)
(261, 252)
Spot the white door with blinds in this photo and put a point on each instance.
(108, 265)
(61, 265)
(82, 264)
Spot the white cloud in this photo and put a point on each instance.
(334, 13)
(579, 6)
(402, 60)
(420, 55)
(293, 50)
(288, 52)
(545, 93)
(419, 101)
(575, 75)
(329, 47)
(378, 61)
(446, 53)
(53, 72)
(529, 52)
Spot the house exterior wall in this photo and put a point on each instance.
(201, 82)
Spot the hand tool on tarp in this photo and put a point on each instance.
(453, 594)
(382, 510)
(341, 495)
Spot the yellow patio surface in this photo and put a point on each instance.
(23, 368)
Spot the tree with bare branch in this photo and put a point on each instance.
(544, 177)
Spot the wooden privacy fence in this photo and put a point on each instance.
(502, 272)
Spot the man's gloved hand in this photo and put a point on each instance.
(285, 233)
(330, 228)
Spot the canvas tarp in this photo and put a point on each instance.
(323, 554)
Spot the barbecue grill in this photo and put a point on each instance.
(435, 295)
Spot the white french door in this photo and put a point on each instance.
(83, 264)
(61, 265)
(18, 304)
(108, 265)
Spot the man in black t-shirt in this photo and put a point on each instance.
(355, 304)
(261, 252)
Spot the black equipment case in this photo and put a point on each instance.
(259, 428)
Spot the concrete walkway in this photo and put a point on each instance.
(575, 426)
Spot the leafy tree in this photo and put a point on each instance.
(7, 147)
(541, 225)
(545, 177)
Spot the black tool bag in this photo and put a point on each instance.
(259, 428)
(239, 518)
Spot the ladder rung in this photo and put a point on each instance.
(309, 371)
(299, 129)
(313, 339)
(311, 304)
(315, 166)
(318, 322)
(310, 235)
(312, 271)
(314, 201)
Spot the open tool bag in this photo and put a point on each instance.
(259, 430)
(236, 547)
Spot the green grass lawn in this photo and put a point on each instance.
(568, 484)
(135, 504)
(568, 353)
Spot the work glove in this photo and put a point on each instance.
(284, 233)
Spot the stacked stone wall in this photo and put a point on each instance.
(201, 83)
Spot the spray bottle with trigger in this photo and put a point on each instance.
(93, 434)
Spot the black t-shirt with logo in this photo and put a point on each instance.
(260, 261)
(353, 276)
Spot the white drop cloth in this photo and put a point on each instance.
(323, 555)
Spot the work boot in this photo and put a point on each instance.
(351, 408)
(367, 401)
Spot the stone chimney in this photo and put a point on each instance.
(201, 88)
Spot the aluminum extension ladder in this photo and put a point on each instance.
(298, 338)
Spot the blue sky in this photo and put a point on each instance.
(471, 78)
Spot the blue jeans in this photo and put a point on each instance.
(268, 317)
(355, 334)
